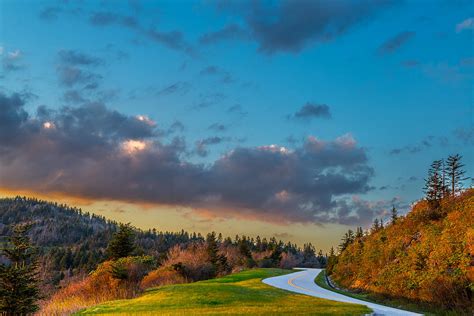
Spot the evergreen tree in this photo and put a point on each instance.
(455, 173)
(394, 215)
(218, 261)
(347, 239)
(122, 243)
(18, 278)
(434, 183)
(375, 225)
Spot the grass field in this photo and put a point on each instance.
(240, 293)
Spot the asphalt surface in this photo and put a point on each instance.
(303, 282)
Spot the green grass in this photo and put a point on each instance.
(235, 294)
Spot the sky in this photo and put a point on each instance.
(299, 119)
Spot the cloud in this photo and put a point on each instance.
(467, 24)
(310, 111)
(229, 32)
(180, 87)
(291, 26)
(201, 145)
(93, 152)
(217, 127)
(50, 13)
(394, 43)
(465, 135)
(225, 76)
(410, 63)
(105, 18)
(11, 61)
(426, 143)
(75, 58)
(70, 76)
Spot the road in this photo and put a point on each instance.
(303, 282)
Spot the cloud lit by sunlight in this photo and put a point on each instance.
(132, 146)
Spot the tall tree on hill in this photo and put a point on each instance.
(122, 243)
(434, 183)
(218, 261)
(455, 173)
(19, 290)
(347, 239)
(394, 214)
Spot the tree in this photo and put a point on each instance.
(455, 173)
(19, 290)
(347, 239)
(375, 225)
(394, 214)
(122, 243)
(218, 261)
(434, 183)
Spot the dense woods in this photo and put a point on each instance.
(84, 259)
(426, 256)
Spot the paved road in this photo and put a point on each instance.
(303, 282)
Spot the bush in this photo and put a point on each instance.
(103, 284)
(162, 276)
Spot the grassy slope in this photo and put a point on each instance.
(321, 281)
(240, 293)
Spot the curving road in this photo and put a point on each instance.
(303, 282)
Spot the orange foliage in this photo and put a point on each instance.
(162, 276)
(98, 287)
(427, 256)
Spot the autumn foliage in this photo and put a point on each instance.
(427, 256)
(118, 279)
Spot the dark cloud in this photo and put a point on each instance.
(208, 99)
(312, 110)
(465, 135)
(75, 58)
(50, 13)
(70, 76)
(217, 127)
(237, 109)
(73, 96)
(201, 145)
(411, 63)
(424, 144)
(229, 32)
(171, 39)
(180, 87)
(225, 76)
(394, 43)
(94, 152)
(176, 127)
(105, 18)
(292, 25)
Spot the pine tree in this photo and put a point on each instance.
(375, 225)
(394, 215)
(434, 183)
(455, 173)
(122, 243)
(19, 290)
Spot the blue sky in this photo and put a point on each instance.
(396, 78)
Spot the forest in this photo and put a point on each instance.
(77, 259)
(426, 257)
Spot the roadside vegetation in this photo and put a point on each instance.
(239, 293)
(423, 259)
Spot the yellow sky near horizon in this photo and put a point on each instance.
(172, 218)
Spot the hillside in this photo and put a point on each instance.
(426, 256)
(236, 294)
(72, 246)
(71, 242)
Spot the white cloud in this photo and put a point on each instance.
(467, 24)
